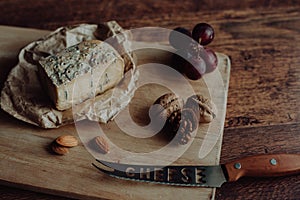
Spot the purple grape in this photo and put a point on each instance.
(211, 60)
(203, 33)
(195, 68)
(180, 38)
(179, 60)
(195, 49)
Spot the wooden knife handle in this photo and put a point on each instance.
(264, 166)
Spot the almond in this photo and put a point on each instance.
(102, 144)
(58, 149)
(67, 141)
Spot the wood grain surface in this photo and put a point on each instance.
(262, 39)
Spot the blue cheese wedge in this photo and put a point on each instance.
(80, 72)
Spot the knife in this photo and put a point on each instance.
(206, 176)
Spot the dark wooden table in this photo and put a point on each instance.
(262, 39)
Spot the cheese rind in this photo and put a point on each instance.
(80, 72)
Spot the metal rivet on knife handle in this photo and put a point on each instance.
(265, 165)
(273, 161)
(237, 165)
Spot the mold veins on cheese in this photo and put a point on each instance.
(92, 66)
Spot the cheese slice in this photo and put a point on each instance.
(80, 72)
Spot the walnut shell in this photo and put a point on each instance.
(202, 106)
(183, 122)
(165, 105)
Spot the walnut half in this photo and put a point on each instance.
(183, 120)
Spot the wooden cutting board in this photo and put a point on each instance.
(27, 162)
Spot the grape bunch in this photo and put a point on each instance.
(191, 57)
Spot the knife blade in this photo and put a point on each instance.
(206, 176)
